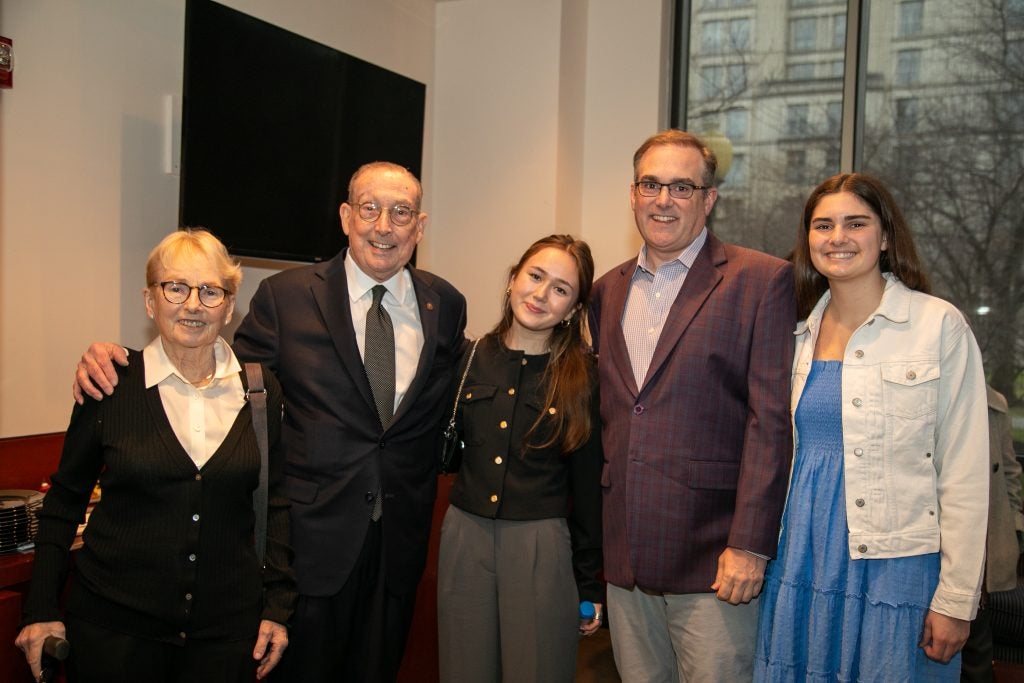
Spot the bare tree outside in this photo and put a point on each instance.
(943, 123)
(954, 158)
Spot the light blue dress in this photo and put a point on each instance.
(823, 616)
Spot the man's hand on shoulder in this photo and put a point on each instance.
(740, 576)
(96, 375)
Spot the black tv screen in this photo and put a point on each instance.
(274, 125)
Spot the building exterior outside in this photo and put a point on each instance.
(939, 114)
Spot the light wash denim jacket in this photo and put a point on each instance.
(915, 437)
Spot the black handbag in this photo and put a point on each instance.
(449, 451)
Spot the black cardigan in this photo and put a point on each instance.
(501, 399)
(168, 552)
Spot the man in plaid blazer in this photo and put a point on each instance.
(695, 344)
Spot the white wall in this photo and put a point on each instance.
(81, 187)
(83, 196)
(538, 108)
(534, 109)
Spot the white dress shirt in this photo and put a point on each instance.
(200, 417)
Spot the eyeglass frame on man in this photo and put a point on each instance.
(684, 190)
(376, 210)
(199, 288)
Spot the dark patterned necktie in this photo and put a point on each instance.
(379, 362)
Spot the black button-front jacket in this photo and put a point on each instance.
(501, 478)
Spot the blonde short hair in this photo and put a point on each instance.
(189, 243)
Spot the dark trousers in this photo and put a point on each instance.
(976, 658)
(356, 635)
(99, 655)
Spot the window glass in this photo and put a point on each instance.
(800, 71)
(952, 151)
(796, 119)
(796, 163)
(711, 36)
(803, 34)
(838, 30)
(737, 123)
(940, 119)
(911, 14)
(773, 104)
(908, 67)
(906, 115)
(737, 172)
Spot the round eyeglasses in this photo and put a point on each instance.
(210, 296)
(399, 214)
(652, 188)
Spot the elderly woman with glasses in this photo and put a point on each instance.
(168, 581)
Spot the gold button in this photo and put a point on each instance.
(911, 374)
(469, 395)
(512, 392)
(494, 498)
(552, 410)
(503, 424)
(862, 548)
(497, 461)
(857, 402)
(858, 353)
(524, 361)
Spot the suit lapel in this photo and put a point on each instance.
(330, 291)
(429, 303)
(612, 321)
(700, 282)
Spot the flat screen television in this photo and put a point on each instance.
(273, 126)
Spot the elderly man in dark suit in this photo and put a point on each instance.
(695, 348)
(361, 469)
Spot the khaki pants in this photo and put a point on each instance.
(680, 638)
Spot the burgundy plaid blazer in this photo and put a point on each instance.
(698, 457)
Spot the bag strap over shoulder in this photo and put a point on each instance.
(256, 395)
(462, 383)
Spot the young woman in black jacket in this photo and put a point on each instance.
(521, 542)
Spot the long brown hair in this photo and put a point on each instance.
(567, 377)
(900, 257)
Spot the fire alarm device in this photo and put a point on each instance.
(6, 62)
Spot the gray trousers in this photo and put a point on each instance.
(507, 603)
(689, 638)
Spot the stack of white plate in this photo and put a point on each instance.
(18, 521)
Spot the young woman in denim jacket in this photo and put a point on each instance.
(880, 559)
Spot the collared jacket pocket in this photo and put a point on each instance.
(474, 409)
(910, 389)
